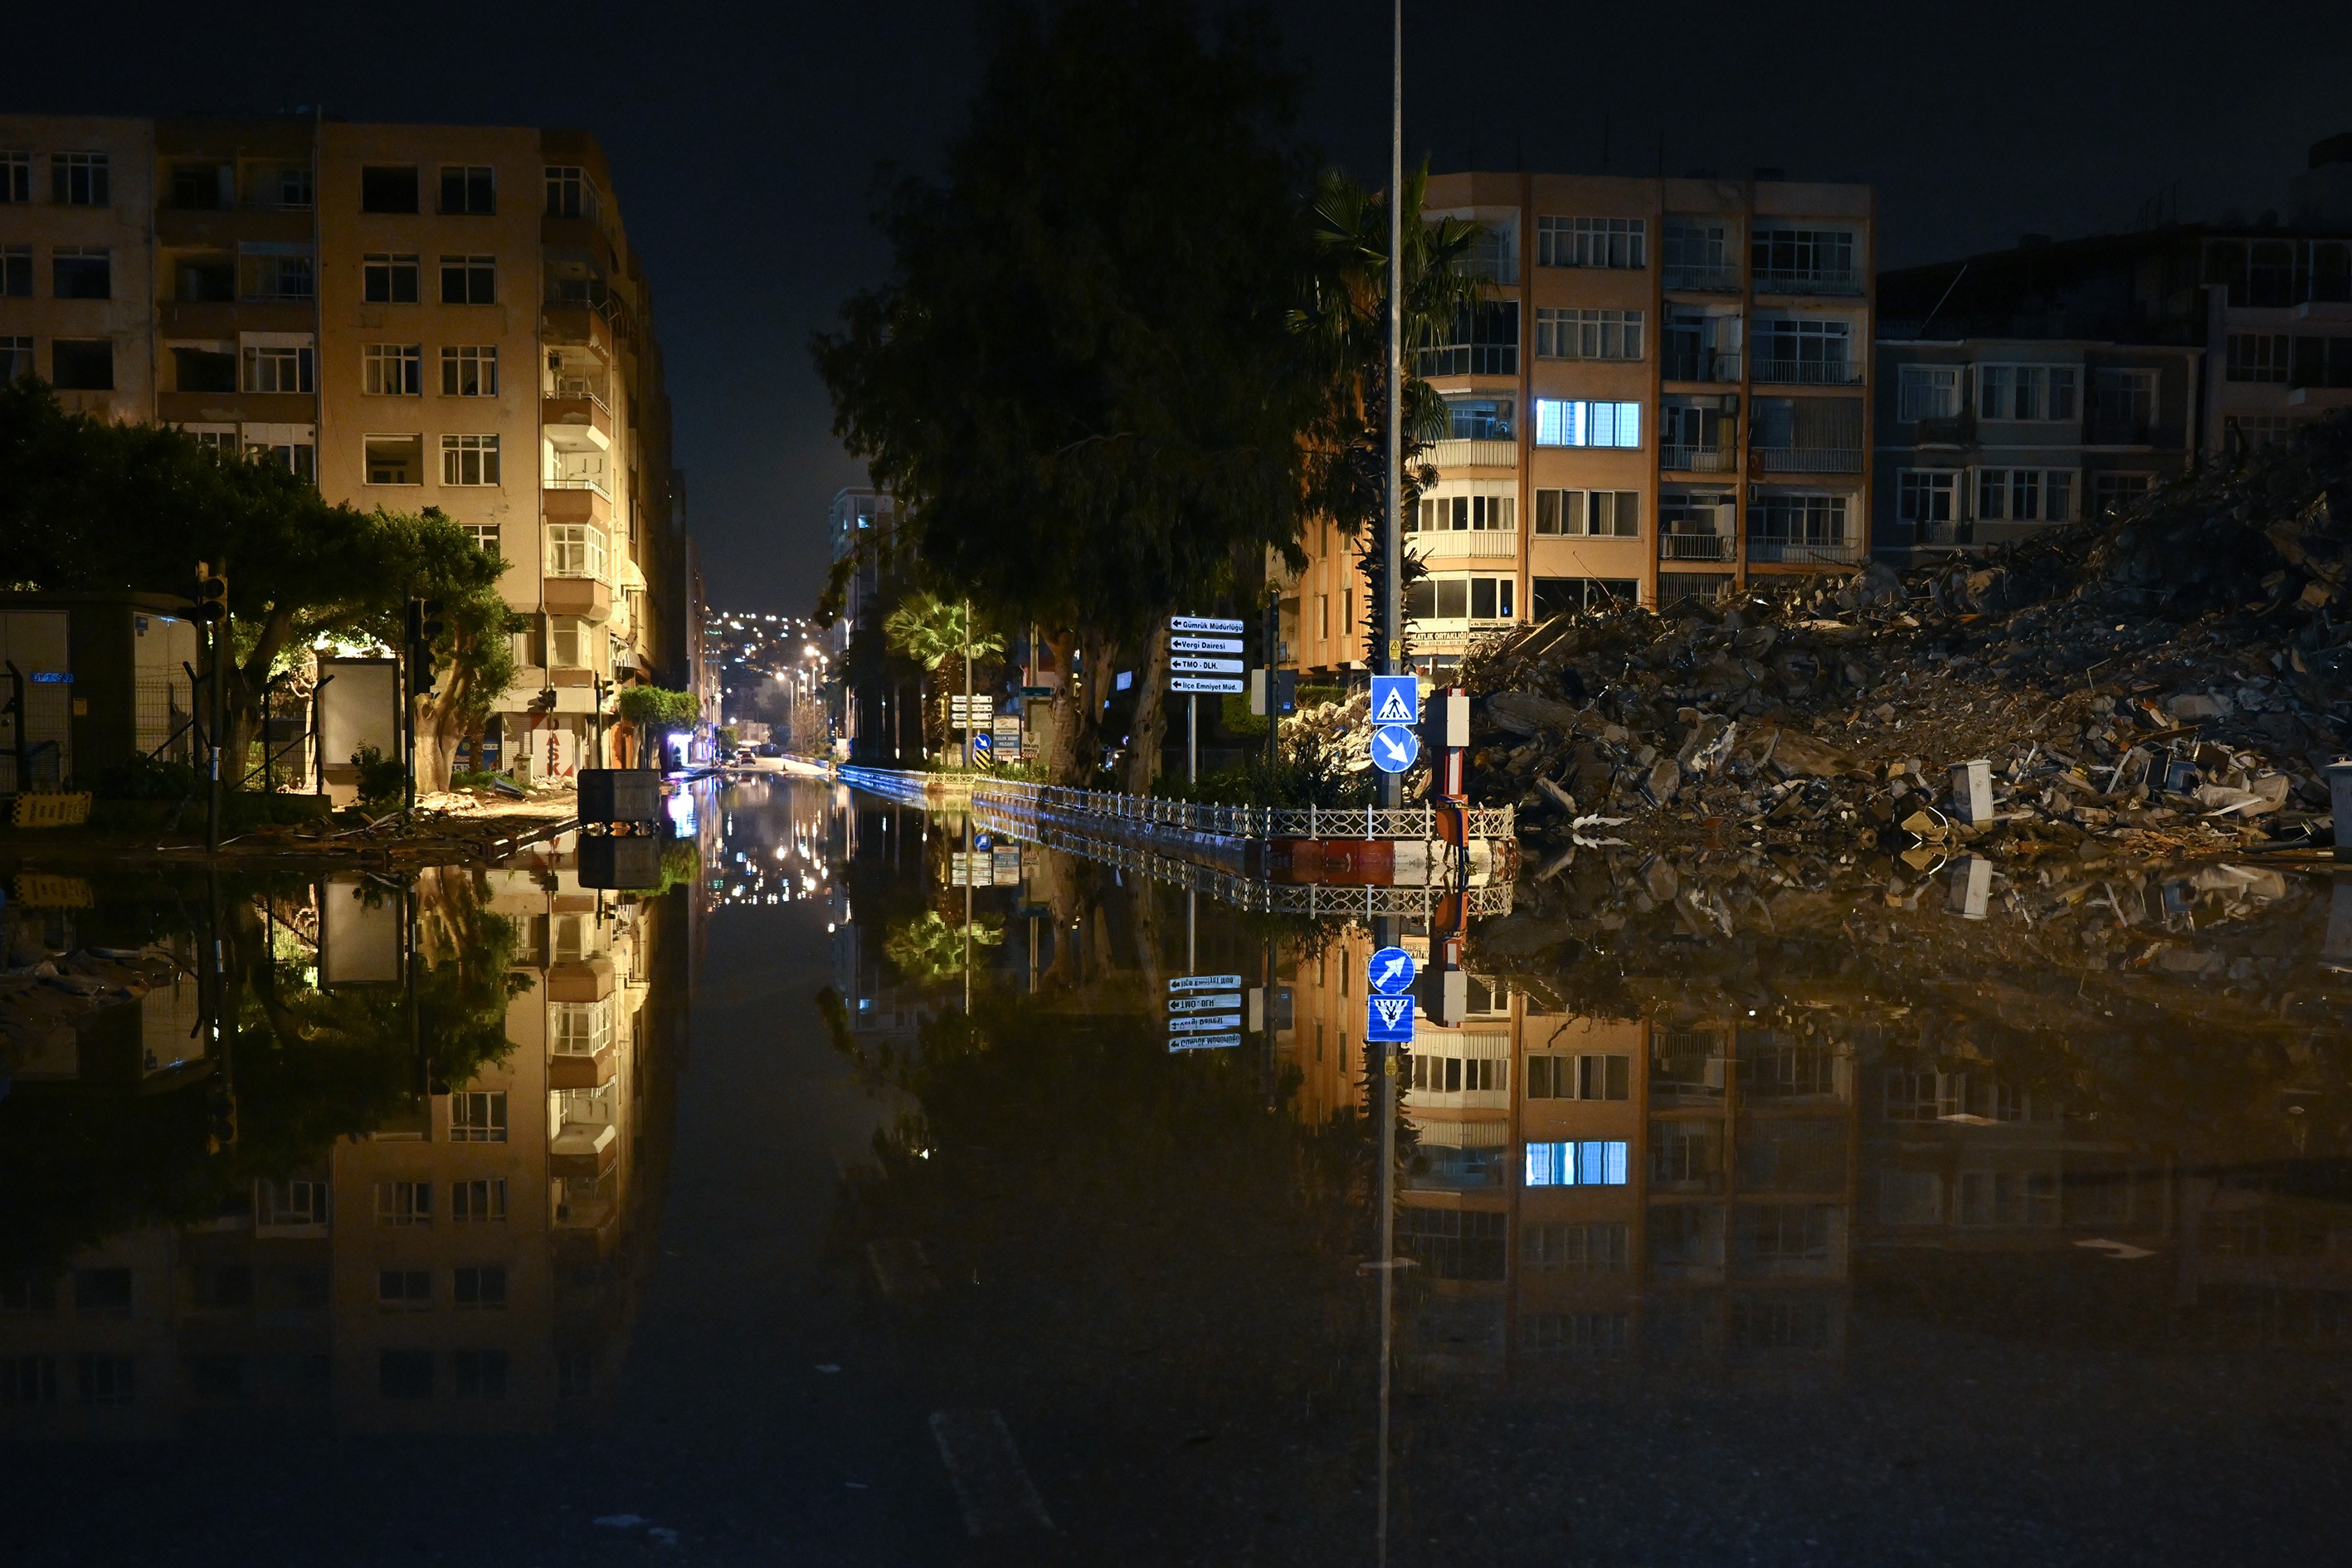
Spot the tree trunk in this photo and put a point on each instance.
(1063, 761)
(1147, 737)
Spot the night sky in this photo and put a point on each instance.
(744, 140)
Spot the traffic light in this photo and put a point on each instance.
(212, 595)
(424, 628)
(220, 1115)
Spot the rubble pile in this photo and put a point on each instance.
(2173, 680)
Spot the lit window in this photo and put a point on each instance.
(1576, 423)
(1595, 1163)
(478, 1116)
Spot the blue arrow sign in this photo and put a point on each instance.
(1394, 747)
(1396, 700)
(1390, 972)
(1388, 1020)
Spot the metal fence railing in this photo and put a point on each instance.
(1114, 809)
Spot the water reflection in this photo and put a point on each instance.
(353, 1153)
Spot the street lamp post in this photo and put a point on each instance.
(1390, 653)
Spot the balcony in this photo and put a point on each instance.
(582, 1149)
(1454, 543)
(1451, 453)
(1809, 371)
(226, 319)
(1809, 459)
(1704, 364)
(1695, 547)
(577, 324)
(1802, 552)
(566, 1069)
(1703, 280)
(575, 411)
(577, 501)
(580, 979)
(1808, 281)
(1697, 459)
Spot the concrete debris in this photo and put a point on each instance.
(2174, 680)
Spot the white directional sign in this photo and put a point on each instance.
(1183, 683)
(1205, 626)
(1196, 1023)
(1204, 645)
(1204, 1042)
(1205, 983)
(1205, 1001)
(1194, 664)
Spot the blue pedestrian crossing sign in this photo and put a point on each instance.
(1390, 972)
(1396, 700)
(1388, 1020)
(1394, 747)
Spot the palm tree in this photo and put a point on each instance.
(1346, 323)
(938, 634)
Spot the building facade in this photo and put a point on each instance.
(1665, 391)
(414, 317)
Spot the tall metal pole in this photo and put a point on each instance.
(969, 750)
(1390, 654)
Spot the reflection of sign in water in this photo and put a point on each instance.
(1393, 748)
(1204, 1012)
(1390, 970)
(1388, 1020)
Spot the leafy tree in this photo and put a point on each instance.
(1345, 319)
(933, 632)
(653, 712)
(86, 504)
(1079, 383)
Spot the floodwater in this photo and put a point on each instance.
(845, 1203)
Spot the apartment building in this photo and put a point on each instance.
(1665, 391)
(410, 316)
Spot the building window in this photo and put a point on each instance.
(286, 186)
(469, 281)
(479, 1375)
(15, 271)
(105, 1379)
(403, 1203)
(567, 645)
(403, 1289)
(2258, 356)
(581, 1028)
(480, 1287)
(478, 1116)
(470, 373)
(388, 189)
(468, 190)
(478, 1203)
(1461, 598)
(1479, 418)
(15, 359)
(469, 460)
(570, 193)
(1594, 1163)
(1793, 526)
(1587, 335)
(1807, 261)
(277, 369)
(282, 1203)
(484, 535)
(1698, 255)
(299, 458)
(278, 276)
(79, 179)
(81, 273)
(2025, 392)
(1464, 514)
(203, 370)
(102, 1293)
(2025, 495)
(575, 549)
(197, 187)
(2122, 409)
(1601, 1247)
(1494, 253)
(1579, 1077)
(1598, 515)
(1568, 596)
(1591, 242)
(2114, 492)
(2322, 362)
(1927, 391)
(1484, 340)
(15, 176)
(27, 1380)
(1928, 498)
(388, 279)
(81, 364)
(1575, 423)
(405, 1374)
(1805, 351)
(393, 370)
(219, 440)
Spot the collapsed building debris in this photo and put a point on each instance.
(2172, 680)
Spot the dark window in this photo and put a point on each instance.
(387, 189)
(216, 1377)
(389, 279)
(221, 1285)
(79, 180)
(484, 1286)
(102, 1290)
(468, 280)
(82, 364)
(468, 190)
(33, 1295)
(16, 271)
(1560, 595)
(480, 1374)
(207, 279)
(196, 187)
(28, 1380)
(17, 176)
(1484, 341)
(201, 370)
(104, 1379)
(405, 1374)
(82, 275)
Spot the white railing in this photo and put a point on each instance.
(1697, 459)
(1113, 809)
(1465, 542)
(1468, 454)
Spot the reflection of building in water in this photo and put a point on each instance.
(881, 849)
(468, 1265)
(1588, 1189)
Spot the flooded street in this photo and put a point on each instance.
(867, 1195)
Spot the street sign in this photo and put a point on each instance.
(1204, 645)
(1396, 700)
(971, 713)
(1194, 664)
(1204, 1042)
(1205, 626)
(1038, 694)
(1388, 1020)
(1008, 738)
(1204, 983)
(982, 745)
(1394, 747)
(1196, 1023)
(1205, 1001)
(1184, 683)
(1390, 972)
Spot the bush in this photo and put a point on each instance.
(143, 777)
(1286, 784)
(383, 780)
